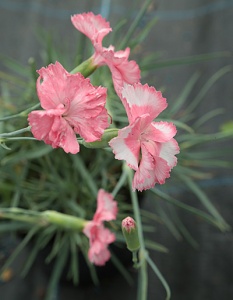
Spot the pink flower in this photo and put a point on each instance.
(95, 27)
(71, 106)
(148, 147)
(99, 236)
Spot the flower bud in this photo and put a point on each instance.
(130, 233)
(103, 143)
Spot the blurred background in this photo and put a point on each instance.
(183, 29)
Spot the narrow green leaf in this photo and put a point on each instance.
(205, 201)
(189, 208)
(134, 24)
(160, 276)
(187, 60)
(207, 86)
(155, 246)
(121, 268)
(208, 116)
(182, 98)
(169, 223)
(61, 259)
(20, 247)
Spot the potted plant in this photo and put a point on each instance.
(80, 147)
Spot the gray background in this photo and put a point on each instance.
(184, 28)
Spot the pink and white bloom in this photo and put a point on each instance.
(72, 105)
(99, 236)
(95, 27)
(148, 147)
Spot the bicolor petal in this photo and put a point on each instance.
(95, 27)
(141, 99)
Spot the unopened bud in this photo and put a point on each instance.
(130, 233)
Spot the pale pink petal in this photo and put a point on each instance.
(126, 146)
(162, 170)
(99, 258)
(129, 70)
(99, 238)
(152, 147)
(151, 170)
(168, 151)
(157, 175)
(106, 207)
(141, 99)
(95, 27)
(144, 177)
(53, 130)
(123, 71)
(160, 131)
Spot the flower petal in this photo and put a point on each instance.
(160, 131)
(168, 151)
(144, 177)
(87, 113)
(99, 239)
(106, 207)
(126, 146)
(99, 258)
(141, 99)
(95, 27)
(53, 130)
(123, 71)
(55, 85)
(151, 170)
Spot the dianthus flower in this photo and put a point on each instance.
(95, 27)
(147, 147)
(99, 236)
(71, 106)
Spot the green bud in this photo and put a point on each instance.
(64, 221)
(105, 139)
(130, 233)
(86, 68)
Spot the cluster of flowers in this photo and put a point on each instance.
(72, 105)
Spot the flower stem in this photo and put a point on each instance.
(143, 282)
(86, 68)
(23, 113)
(64, 221)
(19, 214)
(120, 182)
(79, 164)
(160, 276)
(16, 132)
(48, 217)
(108, 134)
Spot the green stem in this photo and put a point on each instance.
(64, 221)
(18, 138)
(160, 276)
(86, 68)
(120, 182)
(135, 257)
(23, 113)
(108, 134)
(79, 164)
(142, 252)
(48, 217)
(19, 214)
(16, 132)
